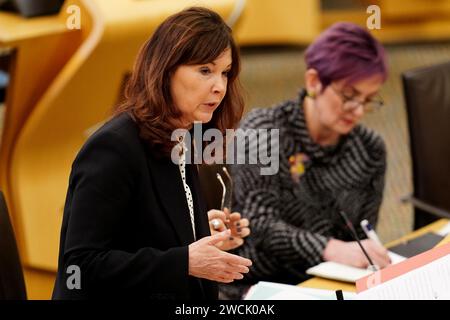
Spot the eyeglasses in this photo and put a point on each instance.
(350, 103)
(227, 193)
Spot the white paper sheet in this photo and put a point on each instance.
(338, 271)
(277, 291)
(429, 282)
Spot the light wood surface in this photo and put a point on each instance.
(39, 48)
(401, 21)
(433, 227)
(15, 28)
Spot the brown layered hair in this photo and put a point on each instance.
(193, 36)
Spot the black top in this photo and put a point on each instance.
(126, 222)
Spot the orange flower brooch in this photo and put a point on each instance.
(297, 165)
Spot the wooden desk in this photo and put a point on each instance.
(39, 48)
(16, 28)
(321, 283)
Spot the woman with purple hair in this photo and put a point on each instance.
(328, 163)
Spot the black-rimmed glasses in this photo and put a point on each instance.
(350, 103)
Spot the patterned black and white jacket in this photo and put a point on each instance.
(293, 217)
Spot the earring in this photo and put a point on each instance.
(311, 94)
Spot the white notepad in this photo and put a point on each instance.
(342, 272)
(338, 271)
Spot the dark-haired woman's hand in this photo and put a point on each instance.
(209, 262)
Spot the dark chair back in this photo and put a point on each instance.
(12, 285)
(427, 96)
(32, 8)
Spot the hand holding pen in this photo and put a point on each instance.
(358, 253)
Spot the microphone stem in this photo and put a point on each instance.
(362, 247)
(349, 225)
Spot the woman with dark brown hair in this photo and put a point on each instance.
(134, 223)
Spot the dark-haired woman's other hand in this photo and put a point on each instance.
(209, 262)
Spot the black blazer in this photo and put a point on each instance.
(126, 222)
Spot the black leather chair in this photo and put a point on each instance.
(12, 285)
(427, 96)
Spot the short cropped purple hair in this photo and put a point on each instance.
(346, 51)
